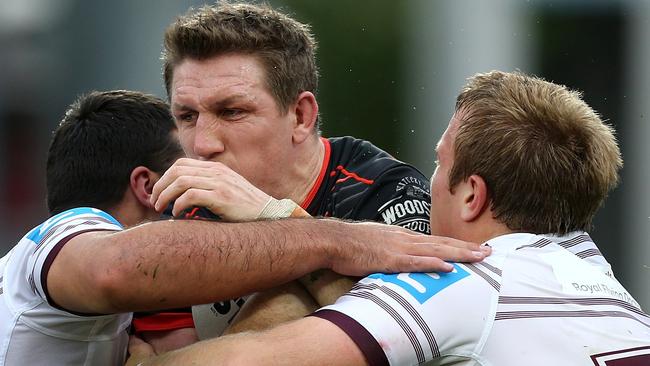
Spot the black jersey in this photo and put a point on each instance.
(359, 181)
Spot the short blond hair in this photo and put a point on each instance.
(548, 159)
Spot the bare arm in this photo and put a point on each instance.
(308, 341)
(288, 302)
(165, 341)
(269, 308)
(160, 264)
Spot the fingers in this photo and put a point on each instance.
(474, 253)
(189, 183)
(454, 242)
(191, 198)
(187, 168)
(383, 248)
(183, 185)
(410, 263)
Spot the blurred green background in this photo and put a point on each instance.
(390, 71)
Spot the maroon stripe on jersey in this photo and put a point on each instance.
(593, 252)
(584, 238)
(435, 351)
(48, 263)
(55, 228)
(50, 233)
(417, 347)
(90, 220)
(485, 276)
(510, 315)
(572, 300)
(367, 344)
(638, 356)
(538, 244)
(490, 267)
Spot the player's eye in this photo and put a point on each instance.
(232, 114)
(185, 118)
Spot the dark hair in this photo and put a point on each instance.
(546, 156)
(285, 47)
(101, 139)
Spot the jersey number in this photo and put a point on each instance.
(423, 286)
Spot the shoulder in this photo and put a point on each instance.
(361, 155)
(73, 221)
(422, 316)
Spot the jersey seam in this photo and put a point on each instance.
(494, 304)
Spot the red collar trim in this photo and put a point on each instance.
(321, 175)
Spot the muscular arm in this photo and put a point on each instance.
(278, 305)
(308, 341)
(170, 264)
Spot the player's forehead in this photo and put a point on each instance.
(219, 79)
(445, 143)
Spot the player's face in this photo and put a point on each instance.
(225, 113)
(443, 210)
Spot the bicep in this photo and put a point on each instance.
(316, 341)
(72, 274)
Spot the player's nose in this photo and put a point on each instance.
(208, 140)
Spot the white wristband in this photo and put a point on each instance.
(277, 209)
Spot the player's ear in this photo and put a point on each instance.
(306, 110)
(141, 183)
(474, 195)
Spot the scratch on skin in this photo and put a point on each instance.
(315, 276)
(155, 271)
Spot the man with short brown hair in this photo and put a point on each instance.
(242, 80)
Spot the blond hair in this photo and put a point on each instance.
(547, 158)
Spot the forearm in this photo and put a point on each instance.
(326, 286)
(171, 264)
(165, 341)
(308, 341)
(269, 308)
(157, 265)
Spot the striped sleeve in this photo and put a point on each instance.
(49, 238)
(412, 318)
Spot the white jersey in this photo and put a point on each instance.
(33, 329)
(537, 300)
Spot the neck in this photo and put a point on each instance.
(305, 171)
(129, 212)
(483, 229)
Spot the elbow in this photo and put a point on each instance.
(112, 281)
(110, 288)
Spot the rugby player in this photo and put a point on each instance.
(241, 80)
(68, 287)
(522, 167)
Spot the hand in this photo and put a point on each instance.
(139, 351)
(367, 247)
(211, 185)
